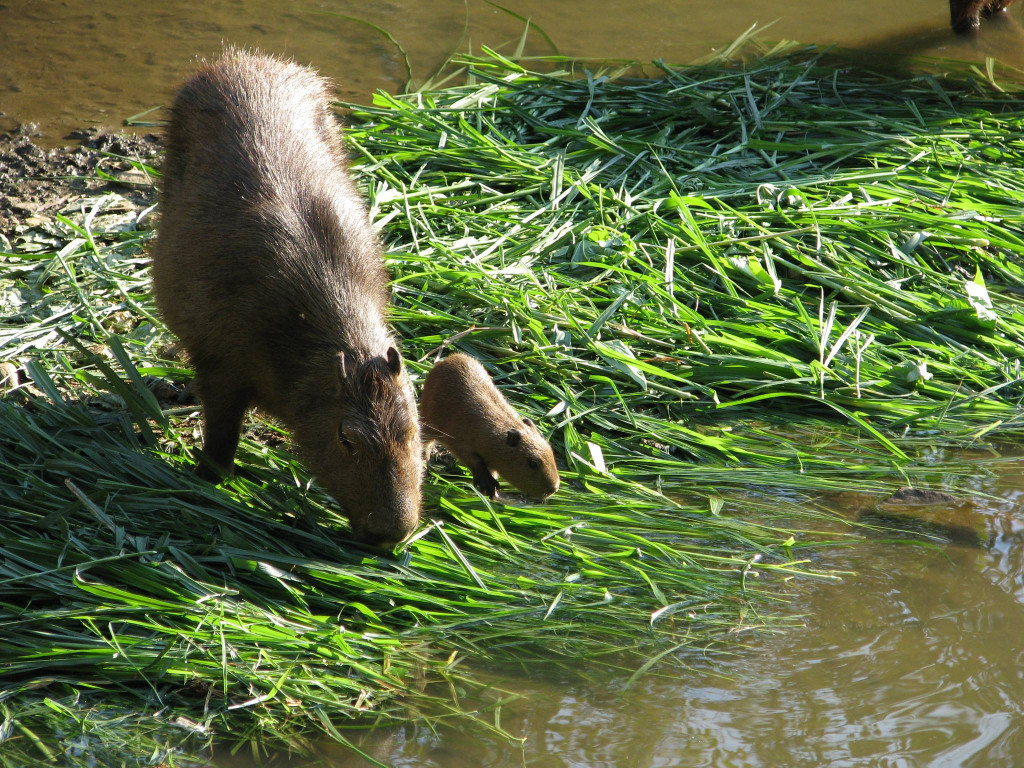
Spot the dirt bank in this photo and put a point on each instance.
(36, 183)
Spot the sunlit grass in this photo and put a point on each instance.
(721, 293)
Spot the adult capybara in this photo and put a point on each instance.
(267, 268)
(462, 409)
(965, 15)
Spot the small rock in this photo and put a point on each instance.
(8, 378)
(920, 496)
(134, 178)
(24, 206)
(939, 513)
(172, 351)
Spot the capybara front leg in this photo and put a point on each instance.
(482, 477)
(224, 408)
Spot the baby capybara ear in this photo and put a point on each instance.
(514, 437)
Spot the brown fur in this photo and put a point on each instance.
(965, 14)
(462, 409)
(268, 270)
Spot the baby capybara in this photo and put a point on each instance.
(462, 409)
(965, 14)
(267, 268)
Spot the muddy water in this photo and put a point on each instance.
(917, 659)
(69, 64)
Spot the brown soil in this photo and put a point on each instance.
(36, 182)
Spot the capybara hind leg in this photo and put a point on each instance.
(224, 407)
(963, 14)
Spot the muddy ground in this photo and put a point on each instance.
(52, 198)
(36, 183)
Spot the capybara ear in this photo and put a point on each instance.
(528, 421)
(341, 365)
(341, 373)
(514, 437)
(394, 361)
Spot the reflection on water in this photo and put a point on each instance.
(917, 660)
(67, 65)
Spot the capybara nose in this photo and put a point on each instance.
(379, 542)
(385, 529)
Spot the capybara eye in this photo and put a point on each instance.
(344, 440)
(534, 464)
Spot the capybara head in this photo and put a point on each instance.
(526, 461)
(363, 445)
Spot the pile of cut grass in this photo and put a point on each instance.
(722, 291)
(716, 238)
